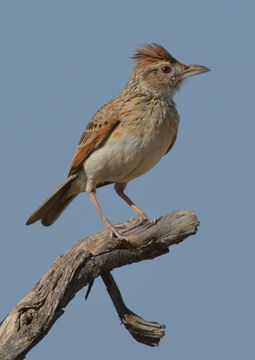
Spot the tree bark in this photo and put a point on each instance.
(93, 256)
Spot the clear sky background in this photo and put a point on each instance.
(60, 61)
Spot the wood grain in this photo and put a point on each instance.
(31, 319)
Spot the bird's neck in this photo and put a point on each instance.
(135, 87)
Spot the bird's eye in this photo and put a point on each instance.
(166, 69)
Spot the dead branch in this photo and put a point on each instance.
(89, 258)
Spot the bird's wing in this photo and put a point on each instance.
(171, 144)
(99, 128)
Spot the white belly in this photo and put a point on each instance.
(123, 158)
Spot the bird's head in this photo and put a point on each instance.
(159, 72)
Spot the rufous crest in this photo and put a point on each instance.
(150, 53)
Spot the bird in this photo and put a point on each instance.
(126, 137)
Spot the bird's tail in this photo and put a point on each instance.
(53, 207)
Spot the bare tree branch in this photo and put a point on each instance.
(145, 332)
(89, 258)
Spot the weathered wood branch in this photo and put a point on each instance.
(145, 332)
(89, 258)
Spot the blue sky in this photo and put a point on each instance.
(60, 61)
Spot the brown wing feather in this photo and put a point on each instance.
(98, 129)
(172, 143)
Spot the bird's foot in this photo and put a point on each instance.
(153, 220)
(115, 234)
(112, 229)
(144, 217)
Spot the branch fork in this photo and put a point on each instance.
(93, 256)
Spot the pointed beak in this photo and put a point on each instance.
(190, 70)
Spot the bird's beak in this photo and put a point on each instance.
(190, 70)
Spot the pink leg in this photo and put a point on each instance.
(119, 188)
(109, 226)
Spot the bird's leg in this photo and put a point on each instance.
(119, 188)
(107, 223)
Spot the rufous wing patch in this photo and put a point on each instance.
(80, 155)
(91, 139)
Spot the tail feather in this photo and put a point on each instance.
(53, 207)
(56, 211)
